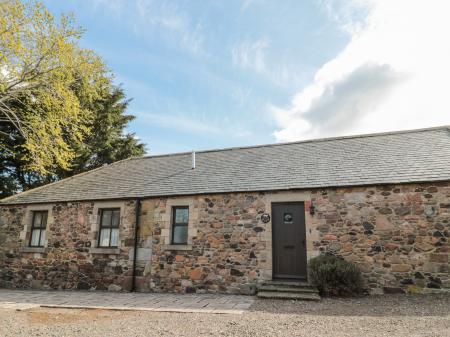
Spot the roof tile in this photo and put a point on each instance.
(396, 157)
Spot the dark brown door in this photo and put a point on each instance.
(289, 240)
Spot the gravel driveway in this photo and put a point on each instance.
(370, 316)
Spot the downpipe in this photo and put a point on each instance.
(136, 233)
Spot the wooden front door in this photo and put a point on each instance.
(289, 240)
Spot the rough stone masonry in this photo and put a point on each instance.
(398, 235)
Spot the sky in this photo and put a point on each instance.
(208, 74)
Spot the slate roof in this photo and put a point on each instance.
(396, 157)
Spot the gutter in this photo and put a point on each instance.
(136, 232)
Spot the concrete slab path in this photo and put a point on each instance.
(206, 303)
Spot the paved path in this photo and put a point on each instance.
(207, 303)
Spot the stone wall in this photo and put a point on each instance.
(227, 250)
(69, 259)
(397, 235)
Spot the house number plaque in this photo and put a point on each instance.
(265, 217)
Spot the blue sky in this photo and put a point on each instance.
(203, 73)
(210, 74)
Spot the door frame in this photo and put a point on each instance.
(273, 233)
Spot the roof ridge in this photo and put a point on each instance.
(314, 140)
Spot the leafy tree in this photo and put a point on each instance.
(60, 113)
(40, 63)
(108, 143)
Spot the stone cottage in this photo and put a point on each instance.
(228, 220)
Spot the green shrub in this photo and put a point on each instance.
(334, 276)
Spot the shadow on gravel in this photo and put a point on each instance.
(378, 306)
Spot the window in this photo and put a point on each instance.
(38, 228)
(180, 220)
(109, 227)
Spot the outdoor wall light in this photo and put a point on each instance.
(312, 209)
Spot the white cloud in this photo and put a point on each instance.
(179, 123)
(392, 74)
(260, 57)
(193, 125)
(241, 95)
(168, 19)
(165, 18)
(246, 4)
(251, 54)
(114, 6)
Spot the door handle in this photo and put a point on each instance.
(289, 247)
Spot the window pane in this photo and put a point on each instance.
(181, 215)
(180, 234)
(42, 237)
(106, 218)
(35, 237)
(37, 219)
(104, 237)
(44, 219)
(115, 218)
(114, 237)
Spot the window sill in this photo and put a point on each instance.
(33, 249)
(108, 251)
(177, 247)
